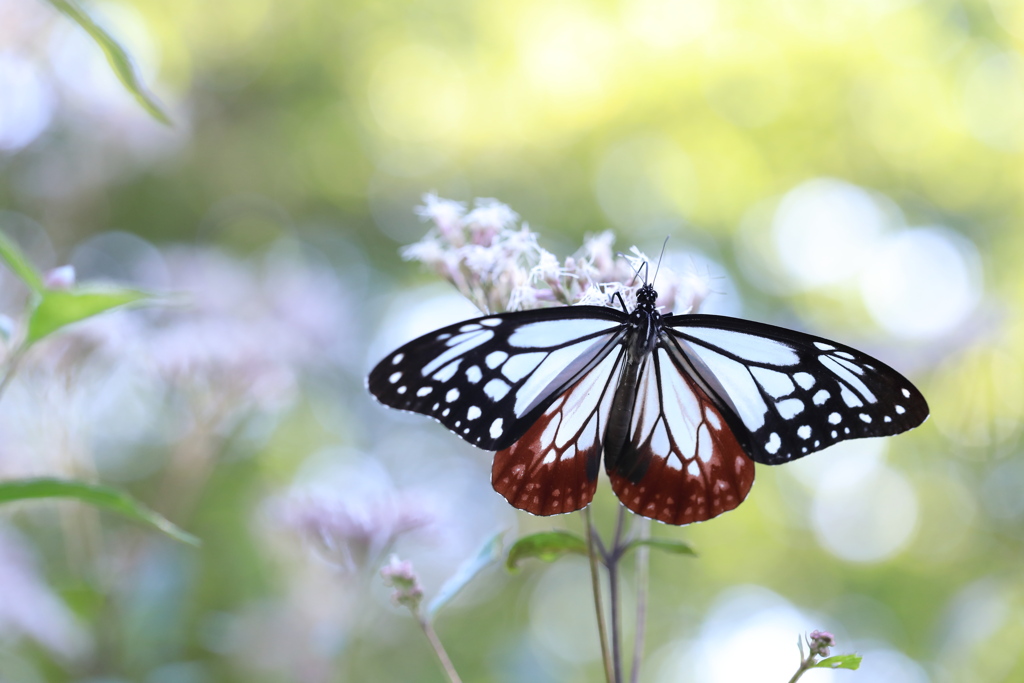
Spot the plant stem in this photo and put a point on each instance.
(613, 583)
(643, 566)
(595, 580)
(12, 367)
(435, 642)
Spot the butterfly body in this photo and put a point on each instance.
(680, 406)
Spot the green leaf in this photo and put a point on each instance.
(667, 545)
(101, 496)
(59, 308)
(488, 553)
(546, 545)
(20, 265)
(120, 60)
(840, 662)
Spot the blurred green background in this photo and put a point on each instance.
(852, 169)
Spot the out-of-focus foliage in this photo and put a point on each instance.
(853, 169)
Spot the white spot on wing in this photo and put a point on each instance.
(900, 410)
(805, 380)
(865, 417)
(906, 393)
(835, 418)
(804, 432)
(746, 346)
(557, 332)
(448, 371)
(790, 408)
(399, 356)
(473, 413)
(738, 384)
(473, 374)
(659, 440)
(496, 389)
(712, 418)
(824, 347)
(693, 469)
(466, 342)
(394, 377)
(777, 384)
(820, 397)
(557, 369)
(495, 358)
(491, 322)
(452, 395)
(844, 373)
(673, 462)
(772, 446)
(520, 365)
(423, 391)
(849, 398)
(705, 447)
(496, 428)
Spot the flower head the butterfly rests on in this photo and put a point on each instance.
(496, 262)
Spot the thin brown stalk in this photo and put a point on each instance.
(595, 580)
(643, 566)
(442, 655)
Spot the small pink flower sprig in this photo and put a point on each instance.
(407, 592)
(818, 645)
(495, 261)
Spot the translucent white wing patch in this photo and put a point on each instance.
(489, 379)
(553, 467)
(682, 463)
(787, 394)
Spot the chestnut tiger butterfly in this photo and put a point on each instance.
(680, 406)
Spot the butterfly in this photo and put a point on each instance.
(680, 406)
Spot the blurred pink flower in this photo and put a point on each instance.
(30, 608)
(351, 534)
(498, 264)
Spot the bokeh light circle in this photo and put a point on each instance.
(922, 283)
(864, 516)
(824, 230)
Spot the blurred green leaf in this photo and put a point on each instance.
(546, 545)
(20, 265)
(59, 308)
(101, 496)
(120, 60)
(667, 545)
(840, 662)
(490, 552)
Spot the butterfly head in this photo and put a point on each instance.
(646, 297)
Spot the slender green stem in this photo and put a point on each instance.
(12, 367)
(643, 566)
(595, 580)
(435, 642)
(613, 583)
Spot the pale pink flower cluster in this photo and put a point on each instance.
(351, 535)
(498, 264)
(399, 574)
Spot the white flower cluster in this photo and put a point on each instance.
(497, 263)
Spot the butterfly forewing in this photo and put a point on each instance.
(553, 467)
(682, 463)
(489, 379)
(786, 394)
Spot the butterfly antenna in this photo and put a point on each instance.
(657, 268)
(636, 271)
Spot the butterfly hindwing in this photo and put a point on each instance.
(682, 463)
(489, 379)
(786, 394)
(553, 467)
